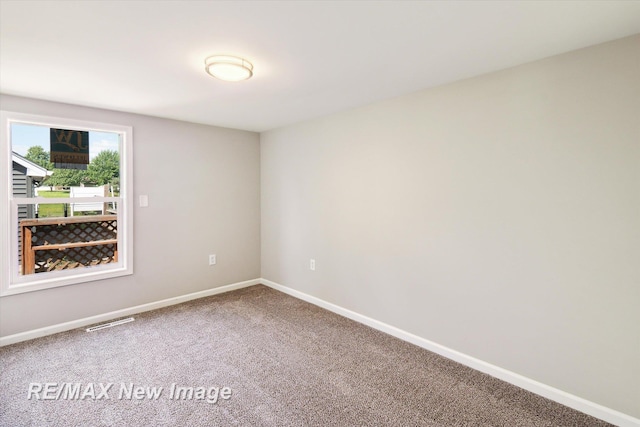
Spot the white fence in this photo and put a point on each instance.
(88, 192)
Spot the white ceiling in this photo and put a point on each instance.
(311, 58)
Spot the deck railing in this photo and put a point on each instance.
(50, 244)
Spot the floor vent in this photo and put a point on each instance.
(110, 324)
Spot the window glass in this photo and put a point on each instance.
(68, 205)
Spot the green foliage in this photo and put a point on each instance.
(67, 178)
(39, 156)
(104, 168)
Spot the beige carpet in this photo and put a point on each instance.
(286, 363)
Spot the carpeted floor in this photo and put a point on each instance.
(285, 363)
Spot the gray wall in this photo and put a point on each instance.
(498, 216)
(203, 184)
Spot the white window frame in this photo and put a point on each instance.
(11, 281)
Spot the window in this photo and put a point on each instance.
(67, 215)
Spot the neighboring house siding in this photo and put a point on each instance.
(22, 187)
(21, 184)
(25, 175)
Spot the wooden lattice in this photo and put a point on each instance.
(65, 243)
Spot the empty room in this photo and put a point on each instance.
(320, 213)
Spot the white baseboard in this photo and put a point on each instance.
(567, 399)
(61, 327)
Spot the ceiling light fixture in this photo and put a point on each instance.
(228, 68)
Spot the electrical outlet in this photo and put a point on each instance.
(212, 259)
(312, 264)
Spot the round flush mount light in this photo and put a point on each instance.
(228, 68)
